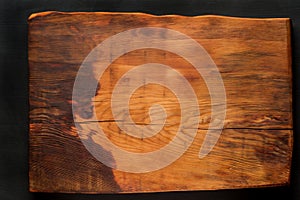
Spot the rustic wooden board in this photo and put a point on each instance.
(253, 57)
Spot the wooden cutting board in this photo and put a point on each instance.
(223, 85)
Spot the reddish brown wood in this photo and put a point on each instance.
(253, 57)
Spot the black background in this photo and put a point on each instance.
(14, 87)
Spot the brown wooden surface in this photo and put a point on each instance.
(253, 57)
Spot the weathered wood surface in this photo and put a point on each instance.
(253, 57)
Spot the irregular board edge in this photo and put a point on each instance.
(47, 13)
(35, 190)
(290, 73)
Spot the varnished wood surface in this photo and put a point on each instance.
(253, 56)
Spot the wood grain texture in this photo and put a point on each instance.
(253, 57)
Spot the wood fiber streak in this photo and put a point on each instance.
(254, 60)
